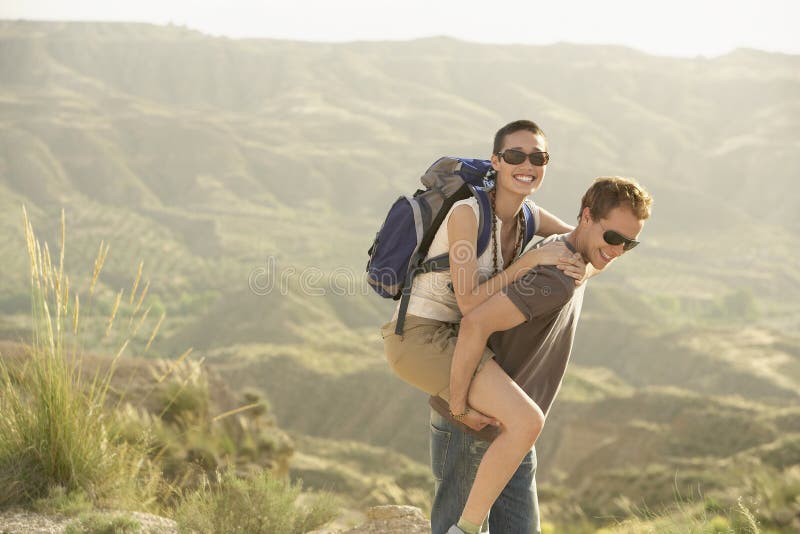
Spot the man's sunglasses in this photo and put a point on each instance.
(515, 157)
(615, 238)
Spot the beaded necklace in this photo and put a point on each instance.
(520, 234)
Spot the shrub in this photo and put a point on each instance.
(97, 523)
(186, 403)
(261, 504)
(59, 501)
(718, 525)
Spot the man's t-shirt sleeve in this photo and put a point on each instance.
(540, 291)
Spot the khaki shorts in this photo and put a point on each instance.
(423, 354)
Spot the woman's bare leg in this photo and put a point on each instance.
(493, 393)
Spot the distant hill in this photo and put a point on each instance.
(229, 146)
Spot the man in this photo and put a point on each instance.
(532, 327)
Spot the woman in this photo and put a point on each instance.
(423, 354)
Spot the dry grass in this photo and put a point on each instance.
(67, 436)
(56, 431)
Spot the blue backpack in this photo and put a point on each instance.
(398, 253)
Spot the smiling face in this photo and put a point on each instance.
(523, 178)
(594, 247)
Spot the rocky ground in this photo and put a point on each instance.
(380, 520)
(393, 520)
(17, 521)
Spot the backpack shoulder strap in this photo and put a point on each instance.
(484, 219)
(529, 210)
(442, 261)
(417, 263)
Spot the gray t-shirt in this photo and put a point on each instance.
(535, 353)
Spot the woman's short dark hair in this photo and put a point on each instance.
(513, 127)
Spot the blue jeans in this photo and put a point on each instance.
(455, 456)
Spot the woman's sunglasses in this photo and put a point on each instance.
(515, 157)
(615, 238)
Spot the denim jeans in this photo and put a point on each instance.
(455, 456)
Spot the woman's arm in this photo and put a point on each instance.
(549, 224)
(498, 313)
(462, 232)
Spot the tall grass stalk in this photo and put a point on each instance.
(55, 431)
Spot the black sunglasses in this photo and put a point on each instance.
(615, 238)
(515, 157)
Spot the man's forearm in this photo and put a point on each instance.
(496, 284)
(496, 314)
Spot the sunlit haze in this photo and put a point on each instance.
(674, 28)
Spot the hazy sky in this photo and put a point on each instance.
(674, 27)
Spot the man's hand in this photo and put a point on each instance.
(477, 421)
